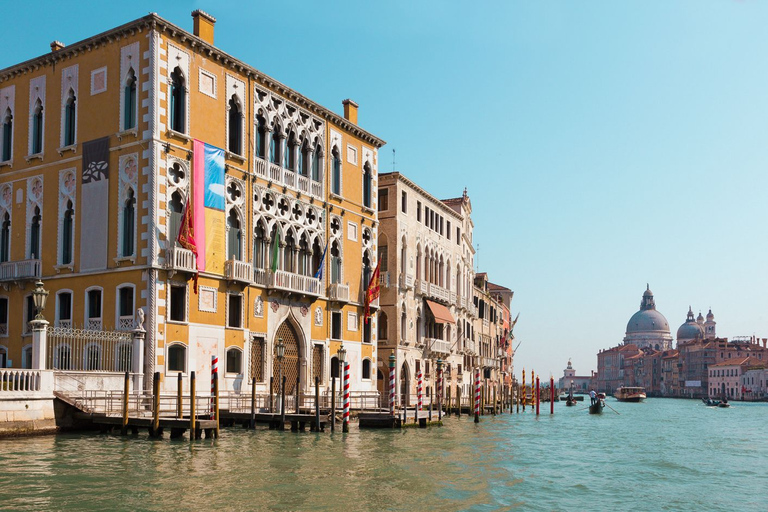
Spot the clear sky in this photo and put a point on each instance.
(604, 144)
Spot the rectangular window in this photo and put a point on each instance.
(94, 304)
(257, 358)
(426, 216)
(65, 308)
(3, 316)
(383, 199)
(317, 363)
(448, 229)
(126, 301)
(336, 325)
(383, 255)
(29, 314)
(178, 306)
(235, 312)
(418, 211)
(404, 202)
(458, 235)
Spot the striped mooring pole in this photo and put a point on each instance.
(439, 390)
(392, 383)
(418, 396)
(523, 392)
(214, 371)
(477, 395)
(345, 421)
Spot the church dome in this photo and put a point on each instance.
(648, 320)
(691, 329)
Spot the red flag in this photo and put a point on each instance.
(373, 291)
(186, 235)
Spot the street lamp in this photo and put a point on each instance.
(39, 298)
(281, 386)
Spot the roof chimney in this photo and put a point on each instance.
(204, 23)
(56, 46)
(350, 110)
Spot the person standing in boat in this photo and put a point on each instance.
(592, 397)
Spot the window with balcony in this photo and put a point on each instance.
(234, 360)
(335, 263)
(176, 212)
(305, 156)
(289, 152)
(235, 311)
(317, 155)
(367, 185)
(317, 257)
(177, 358)
(367, 270)
(383, 199)
(130, 105)
(178, 303)
(5, 238)
(288, 252)
(336, 325)
(261, 137)
(235, 120)
(383, 257)
(178, 110)
(234, 236)
(274, 146)
(125, 308)
(64, 309)
(304, 256)
(7, 135)
(70, 119)
(260, 247)
(36, 144)
(93, 307)
(34, 234)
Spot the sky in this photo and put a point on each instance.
(604, 145)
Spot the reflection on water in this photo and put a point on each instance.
(649, 456)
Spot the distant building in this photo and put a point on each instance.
(725, 378)
(580, 383)
(648, 327)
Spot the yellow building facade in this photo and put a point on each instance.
(104, 146)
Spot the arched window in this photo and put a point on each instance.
(7, 135)
(289, 150)
(234, 236)
(176, 208)
(259, 247)
(382, 325)
(334, 367)
(234, 360)
(288, 253)
(366, 369)
(366, 270)
(367, 185)
(129, 102)
(316, 155)
(305, 156)
(34, 235)
(178, 101)
(335, 263)
(418, 262)
(336, 172)
(235, 127)
(403, 258)
(317, 254)
(304, 256)
(129, 209)
(418, 327)
(403, 327)
(70, 118)
(37, 128)
(177, 358)
(261, 137)
(274, 249)
(274, 147)
(67, 234)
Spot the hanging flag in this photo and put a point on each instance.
(95, 205)
(319, 273)
(372, 293)
(186, 235)
(208, 205)
(275, 250)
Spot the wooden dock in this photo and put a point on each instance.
(177, 426)
(298, 422)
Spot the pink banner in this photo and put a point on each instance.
(198, 199)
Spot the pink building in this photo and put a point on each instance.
(725, 377)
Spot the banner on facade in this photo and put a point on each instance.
(94, 205)
(208, 203)
(693, 383)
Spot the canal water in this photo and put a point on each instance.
(663, 454)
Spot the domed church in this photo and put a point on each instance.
(648, 328)
(698, 328)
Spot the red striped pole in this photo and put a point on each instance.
(419, 383)
(392, 383)
(439, 390)
(538, 389)
(477, 395)
(214, 371)
(551, 395)
(345, 424)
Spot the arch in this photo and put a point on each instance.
(382, 326)
(261, 135)
(289, 150)
(178, 108)
(5, 238)
(176, 357)
(317, 165)
(403, 256)
(366, 369)
(260, 244)
(36, 145)
(175, 212)
(7, 135)
(418, 262)
(403, 327)
(367, 185)
(274, 143)
(70, 119)
(336, 262)
(405, 384)
(235, 125)
(234, 360)
(336, 171)
(234, 236)
(34, 234)
(94, 307)
(129, 100)
(129, 224)
(291, 362)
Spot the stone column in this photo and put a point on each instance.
(39, 343)
(137, 360)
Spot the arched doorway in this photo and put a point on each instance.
(405, 385)
(382, 386)
(291, 360)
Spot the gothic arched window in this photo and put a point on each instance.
(129, 228)
(235, 127)
(34, 235)
(37, 128)
(261, 137)
(70, 119)
(336, 172)
(178, 101)
(367, 185)
(5, 238)
(129, 102)
(234, 236)
(67, 234)
(7, 135)
(176, 207)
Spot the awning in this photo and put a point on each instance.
(441, 313)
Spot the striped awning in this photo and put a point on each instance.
(441, 313)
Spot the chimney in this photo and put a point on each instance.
(765, 341)
(204, 23)
(350, 111)
(56, 46)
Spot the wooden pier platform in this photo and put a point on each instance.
(177, 426)
(298, 422)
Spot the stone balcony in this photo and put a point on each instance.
(20, 270)
(406, 281)
(179, 259)
(293, 283)
(286, 177)
(238, 271)
(434, 291)
(437, 346)
(338, 292)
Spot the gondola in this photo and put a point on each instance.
(597, 407)
(570, 402)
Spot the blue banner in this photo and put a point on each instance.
(214, 178)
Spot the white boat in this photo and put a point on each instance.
(630, 394)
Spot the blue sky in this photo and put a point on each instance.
(604, 144)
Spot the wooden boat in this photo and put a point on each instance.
(570, 402)
(710, 402)
(597, 407)
(601, 396)
(723, 404)
(630, 394)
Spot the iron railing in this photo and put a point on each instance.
(87, 350)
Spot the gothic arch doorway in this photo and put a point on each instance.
(405, 385)
(291, 363)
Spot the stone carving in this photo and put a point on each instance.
(304, 311)
(275, 306)
(140, 319)
(258, 307)
(318, 316)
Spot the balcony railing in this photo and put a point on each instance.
(406, 281)
(489, 362)
(439, 346)
(287, 177)
(180, 259)
(18, 270)
(260, 277)
(240, 271)
(462, 302)
(422, 286)
(294, 283)
(125, 323)
(338, 292)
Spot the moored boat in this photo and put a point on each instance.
(630, 394)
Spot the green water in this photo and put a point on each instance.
(659, 455)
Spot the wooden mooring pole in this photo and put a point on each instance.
(192, 408)
(253, 402)
(317, 403)
(126, 390)
(179, 397)
(156, 406)
(458, 401)
(333, 404)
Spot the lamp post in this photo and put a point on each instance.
(281, 385)
(39, 327)
(342, 353)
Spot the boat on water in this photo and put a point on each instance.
(710, 402)
(630, 394)
(601, 395)
(597, 407)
